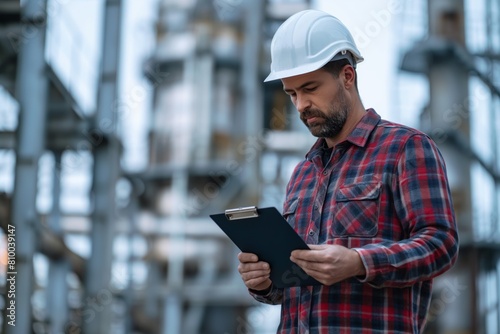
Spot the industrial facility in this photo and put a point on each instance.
(106, 186)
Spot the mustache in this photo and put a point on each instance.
(308, 113)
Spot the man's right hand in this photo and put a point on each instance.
(255, 273)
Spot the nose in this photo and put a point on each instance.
(302, 102)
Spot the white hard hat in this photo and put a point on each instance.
(306, 41)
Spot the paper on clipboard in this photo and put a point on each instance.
(266, 233)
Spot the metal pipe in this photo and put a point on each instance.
(32, 94)
(106, 172)
(254, 19)
(59, 268)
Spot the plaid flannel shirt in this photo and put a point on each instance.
(383, 192)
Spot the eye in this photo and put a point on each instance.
(310, 89)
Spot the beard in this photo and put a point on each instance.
(330, 122)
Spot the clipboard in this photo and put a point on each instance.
(266, 233)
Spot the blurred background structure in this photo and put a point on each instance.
(107, 178)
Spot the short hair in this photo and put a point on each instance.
(334, 67)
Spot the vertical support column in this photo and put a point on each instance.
(497, 266)
(152, 296)
(492, 34)
(492, 15)
(252, 93)
(132, 212)
(59, 269)
(173, 298)
(58, 295)
(106, 173)
(203, 107)
(31, 92)
(449, 99)
(449, 103)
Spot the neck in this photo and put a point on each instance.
(356, 113)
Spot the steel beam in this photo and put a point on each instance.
(251, 87)
(31, 92)
(59, 268)
(105, 175)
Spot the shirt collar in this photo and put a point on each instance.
(358, 136)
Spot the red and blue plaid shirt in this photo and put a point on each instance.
(383, 192)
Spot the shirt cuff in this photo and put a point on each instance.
(263, 293)
(272, 295)
(366, 260)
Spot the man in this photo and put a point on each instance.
(371, 198)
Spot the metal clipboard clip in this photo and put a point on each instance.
(242, 213)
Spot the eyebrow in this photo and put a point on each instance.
(287, 90)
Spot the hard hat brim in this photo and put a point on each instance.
(307, 68)
(295, 71)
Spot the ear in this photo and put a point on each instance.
(348, 76)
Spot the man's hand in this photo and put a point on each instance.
(255, 273)
(329, 264)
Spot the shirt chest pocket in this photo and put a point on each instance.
(356, 210)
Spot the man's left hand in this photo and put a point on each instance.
(329, 264)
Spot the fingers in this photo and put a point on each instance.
(328, 263)
(307, 265)
(316, 253)
(253, 267)
(250, 263)
(257, 279)
(317, 247)
(259, 283)
(306, 255)
(251, 272)
(254, 273)
(247, 257)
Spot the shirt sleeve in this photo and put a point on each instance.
(273, 297)
(423, 203)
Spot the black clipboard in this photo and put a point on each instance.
(266, 233)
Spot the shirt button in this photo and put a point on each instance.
(311, 233)
(325, 173)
